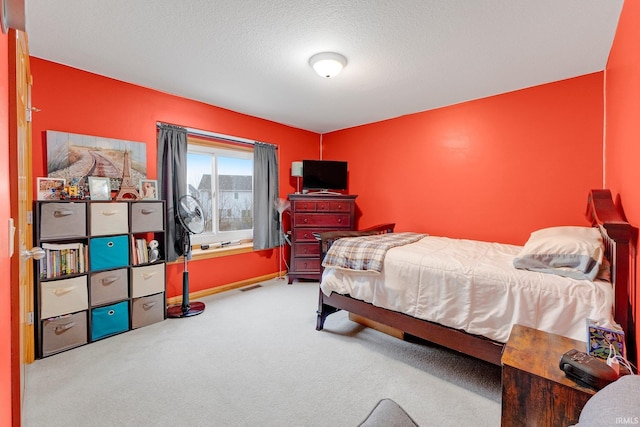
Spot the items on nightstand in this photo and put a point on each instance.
(587, 369)
(603, 338)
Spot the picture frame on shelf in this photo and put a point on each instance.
(149, 189)
(50, 188)
(99, 188)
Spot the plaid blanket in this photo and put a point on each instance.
(365, 253)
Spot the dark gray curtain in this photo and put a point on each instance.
(172, 180)
(265, 196)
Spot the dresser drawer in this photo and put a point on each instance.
(333, 206)
(109, 218)
(63, 220)
(63, 333)
(146, 216)
(322, 220)
(306, 234)
(306, 249)
(147, 280)
(109, 286)
(304, 264)
(303, 206)
(147, 310)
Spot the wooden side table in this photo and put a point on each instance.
(535, 392)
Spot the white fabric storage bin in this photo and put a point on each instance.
(64, 296)
(109, 218)
(147, 216)
(63, 220)
(147, 280)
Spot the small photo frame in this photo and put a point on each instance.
(99, 188)
(50, 188)
(149, 189)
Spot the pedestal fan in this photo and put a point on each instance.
(192, 220)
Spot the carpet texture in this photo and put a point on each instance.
(254, 358)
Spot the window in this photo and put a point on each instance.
(220, 176)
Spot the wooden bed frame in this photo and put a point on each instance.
(601, 213)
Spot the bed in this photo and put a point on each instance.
(456, 320)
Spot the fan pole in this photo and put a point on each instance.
(185, 309)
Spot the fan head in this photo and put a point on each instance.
(191, 215)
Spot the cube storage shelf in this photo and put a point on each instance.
(96, 280)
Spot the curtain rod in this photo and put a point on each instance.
(221, 136)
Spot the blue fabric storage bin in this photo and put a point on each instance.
(109, 320)
(108, 252)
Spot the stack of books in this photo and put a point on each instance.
(63, 259)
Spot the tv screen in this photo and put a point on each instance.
(324, 175)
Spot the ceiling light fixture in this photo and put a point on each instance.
(328, 64)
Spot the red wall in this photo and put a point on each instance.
(622, 154)
(490, 169)
(5, 214)
(75, 101)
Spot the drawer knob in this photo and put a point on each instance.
(340, 220)
(306, 220)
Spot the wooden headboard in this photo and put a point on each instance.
(617, 235)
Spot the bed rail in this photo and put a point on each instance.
(327, 238)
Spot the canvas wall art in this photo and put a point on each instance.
(75, 157)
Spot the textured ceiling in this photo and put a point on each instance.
(251, 56)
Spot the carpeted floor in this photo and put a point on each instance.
(254, 358)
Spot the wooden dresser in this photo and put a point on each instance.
(313, 213)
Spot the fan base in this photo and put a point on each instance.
(176, 311)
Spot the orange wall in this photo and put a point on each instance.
(75, 101)
(491, 169)
(5, 214)
(622, 118)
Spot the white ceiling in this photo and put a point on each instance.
(251, 56)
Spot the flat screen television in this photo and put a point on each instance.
(324, 175)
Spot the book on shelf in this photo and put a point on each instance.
(142, 251)
(62, 259)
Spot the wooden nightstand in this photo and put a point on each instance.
(535, 392)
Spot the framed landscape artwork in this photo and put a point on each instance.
(75, 157)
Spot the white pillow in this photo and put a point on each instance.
(569, 251)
